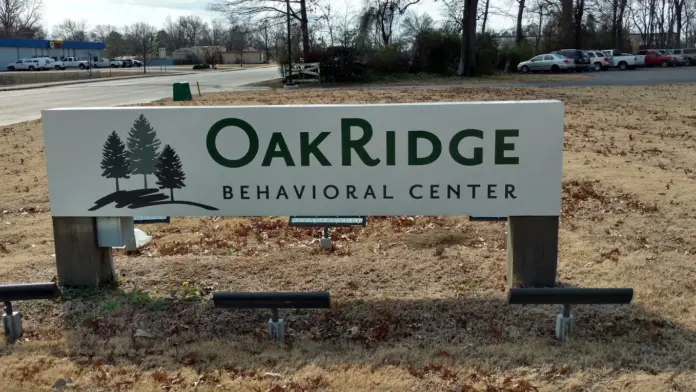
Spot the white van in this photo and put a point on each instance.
(36, 64)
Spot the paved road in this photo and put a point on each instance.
(23, 105)
(637, 77)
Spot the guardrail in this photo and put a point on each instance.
(568, 297)
(11, 320)
(272, 301)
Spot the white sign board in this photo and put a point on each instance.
(163, 53)
(457, 159)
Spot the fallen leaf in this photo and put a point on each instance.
(141, 333)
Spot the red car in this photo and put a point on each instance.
(655, 57)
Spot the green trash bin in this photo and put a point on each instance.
(182, 92)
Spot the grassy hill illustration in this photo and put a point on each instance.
(140, 155)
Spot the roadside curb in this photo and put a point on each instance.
(68, 83)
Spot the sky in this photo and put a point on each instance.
(155, 12)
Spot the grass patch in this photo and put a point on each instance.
(20, 78)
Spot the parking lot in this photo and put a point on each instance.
(636, 77)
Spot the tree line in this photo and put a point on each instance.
(387, 36)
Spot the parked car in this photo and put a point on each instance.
(622, 61)
(690, 54)
(137, 63)
(74, 62)
(546, 62)
(678, 54)
(113, 63)
(127, 63)
(654, 57)
(35, 64)
(578, 57)
(599, 61)
(100, 63)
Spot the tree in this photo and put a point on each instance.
(20, 18)
(115, 161)
(274, 10)
(169, 173)
(115, 45)
(100, 33)
(142, 38)
(467, 57)
(71, 30)
(142, 145)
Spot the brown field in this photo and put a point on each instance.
(418, 303)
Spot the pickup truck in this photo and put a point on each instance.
(113, 63)
(74, 62)
(654, 57)
(622, 61)
(100, 63)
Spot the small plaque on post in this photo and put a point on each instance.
(150, 219)
(327, 221)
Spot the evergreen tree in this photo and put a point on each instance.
(115, 161)
(142, 148)
(169, 172)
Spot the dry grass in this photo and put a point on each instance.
(418, 302)
(18, 78)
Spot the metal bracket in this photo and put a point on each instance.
(276, 327)
(116, 232)
(326, 239)
(11, 322)
(564, 324)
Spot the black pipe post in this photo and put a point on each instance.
(288, 80)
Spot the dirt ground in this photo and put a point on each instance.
(418, 303)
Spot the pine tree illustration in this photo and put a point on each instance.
(169, 172)
(115, 161)
(142, 148)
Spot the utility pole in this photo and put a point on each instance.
(288, 81)
(265, 37)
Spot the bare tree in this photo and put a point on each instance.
(142, 36)
(381, 15)
(327, 17)
(192, 27)
(540, 10)
(20, 18)
(101, 32)
(71, 30)
(218, 33)
(414, 25)
(519, 34)
(346, 29)
(485, 16)
(274, 10)
(467, 57)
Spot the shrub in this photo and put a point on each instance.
(387, 59)
(486, 54)
(435, 52)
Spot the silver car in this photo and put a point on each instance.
(546, 62)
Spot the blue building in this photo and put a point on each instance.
(13, 49)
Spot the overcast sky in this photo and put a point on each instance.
(125, 12)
